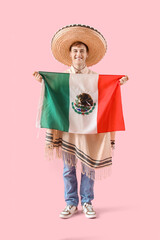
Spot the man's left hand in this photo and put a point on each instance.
(124, 80)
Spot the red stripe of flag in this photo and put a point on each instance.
(110, 113)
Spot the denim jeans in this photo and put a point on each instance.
(70, 186)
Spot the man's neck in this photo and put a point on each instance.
(78, 67)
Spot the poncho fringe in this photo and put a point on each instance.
(54, 151)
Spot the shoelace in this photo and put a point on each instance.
(68, 207)
(89, 207)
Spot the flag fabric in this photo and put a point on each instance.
(81, 103)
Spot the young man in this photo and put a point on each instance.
(79, 52)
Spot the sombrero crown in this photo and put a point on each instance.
(66, 36)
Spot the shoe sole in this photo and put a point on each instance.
(67, 216)
(89, 216)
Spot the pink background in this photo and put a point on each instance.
(127, 203)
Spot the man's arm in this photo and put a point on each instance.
(112, 139)
(113, 134)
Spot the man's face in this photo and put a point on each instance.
(78, 55)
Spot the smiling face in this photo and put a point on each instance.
(79, 54)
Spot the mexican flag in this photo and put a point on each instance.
(80, 103)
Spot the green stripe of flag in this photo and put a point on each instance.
(54, 116)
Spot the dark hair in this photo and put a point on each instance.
(78, 43)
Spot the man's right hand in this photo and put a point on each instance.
(37, 76)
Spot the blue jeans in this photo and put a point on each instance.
(70, 186)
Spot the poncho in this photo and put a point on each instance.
(81, 110)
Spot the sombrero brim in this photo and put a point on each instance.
(66, 36)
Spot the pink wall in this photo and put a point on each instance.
(31, 188)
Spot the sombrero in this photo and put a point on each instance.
(66, 36)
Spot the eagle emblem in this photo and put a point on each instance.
(83, 104)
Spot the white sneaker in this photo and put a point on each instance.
(88, 210)
(68, 211)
